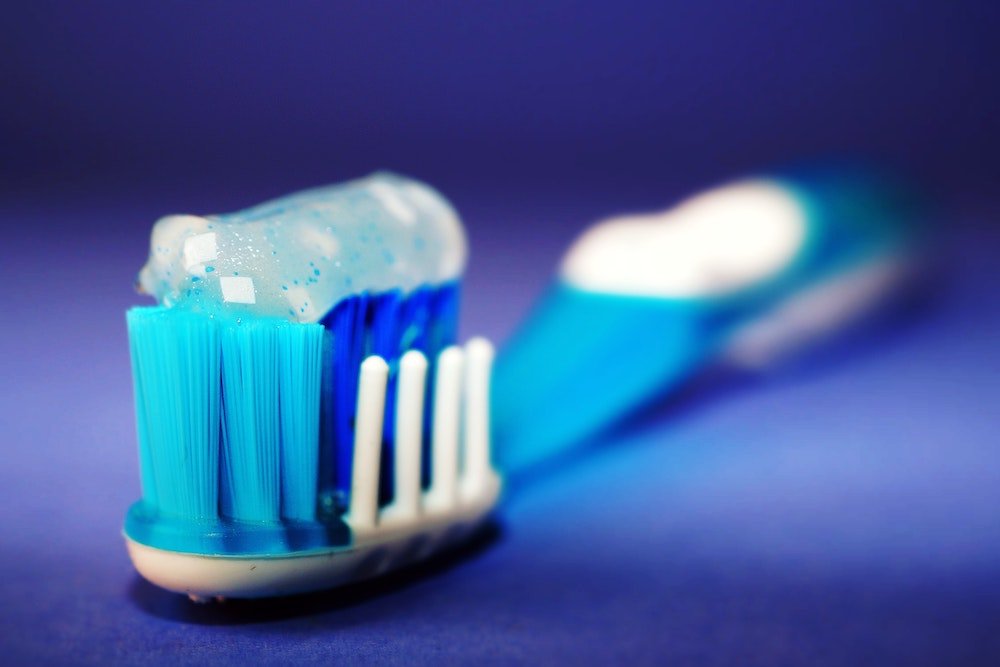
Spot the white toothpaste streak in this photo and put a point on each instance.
(713, 243)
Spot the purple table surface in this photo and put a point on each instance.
(846, 514)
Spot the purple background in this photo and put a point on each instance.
(847, 514)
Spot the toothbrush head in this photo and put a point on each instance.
(304, 416)
(287, 547)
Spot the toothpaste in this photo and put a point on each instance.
(298, 256)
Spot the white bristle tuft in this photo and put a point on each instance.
(444, 438)
(368, 442)
(477, 468)
(409, 432)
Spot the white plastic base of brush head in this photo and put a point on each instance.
(396, 544)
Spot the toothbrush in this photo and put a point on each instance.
(304, 417)
(744, 274)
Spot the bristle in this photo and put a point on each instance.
(409, 431)
(175, 362)
(476, 465)
(256, 420)
(368, 441)
(386, 325)
(251, 428)
(227, 415)
(447, 407)
(342, 358)
(301, 352)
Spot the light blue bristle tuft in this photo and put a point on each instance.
(227, 415)
(301, 354)
(176, 372)
(251, 426)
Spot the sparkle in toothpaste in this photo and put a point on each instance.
(199, 248)
(297, 256)
(237, 290)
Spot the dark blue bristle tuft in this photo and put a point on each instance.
(387, 324)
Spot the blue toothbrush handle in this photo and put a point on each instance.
(585, 359)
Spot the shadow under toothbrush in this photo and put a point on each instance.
(872, 335)
(163, 604)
